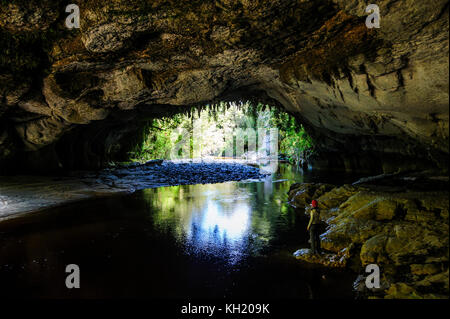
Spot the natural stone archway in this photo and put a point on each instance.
(371, 98)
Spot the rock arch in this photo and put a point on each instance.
(374, 99)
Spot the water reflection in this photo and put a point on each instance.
(198, 241)
(223, 220)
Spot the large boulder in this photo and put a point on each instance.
(301, 195)
(404, 232)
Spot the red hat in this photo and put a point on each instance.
(314, 203)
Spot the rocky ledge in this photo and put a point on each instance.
(402, 229)
(334, 260)
(24, 194)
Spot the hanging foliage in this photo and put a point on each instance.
(162, 135)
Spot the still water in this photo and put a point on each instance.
(227, 240)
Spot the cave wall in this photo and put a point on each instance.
(372, 99)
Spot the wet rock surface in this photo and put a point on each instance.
(22, 194)
(167, 173)
(405, 231)
(338, 260)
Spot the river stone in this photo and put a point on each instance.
(368, 206)
(336, 196)
(349, 230)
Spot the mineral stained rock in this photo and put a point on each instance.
(404, 232)
(370, 98)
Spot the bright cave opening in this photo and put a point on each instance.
(225, 130)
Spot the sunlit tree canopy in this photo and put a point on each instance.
(212, 127)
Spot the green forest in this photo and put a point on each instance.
(215, 123)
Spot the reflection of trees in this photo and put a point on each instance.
(172, 207)
(232, 217)
(182, 209)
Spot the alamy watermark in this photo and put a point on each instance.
(373, 19)
(373, 279)
(73, 279)
(73, 19)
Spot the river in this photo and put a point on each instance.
(226, 240)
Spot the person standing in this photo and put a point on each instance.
(313, 227)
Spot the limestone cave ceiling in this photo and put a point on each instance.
(357, 90)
